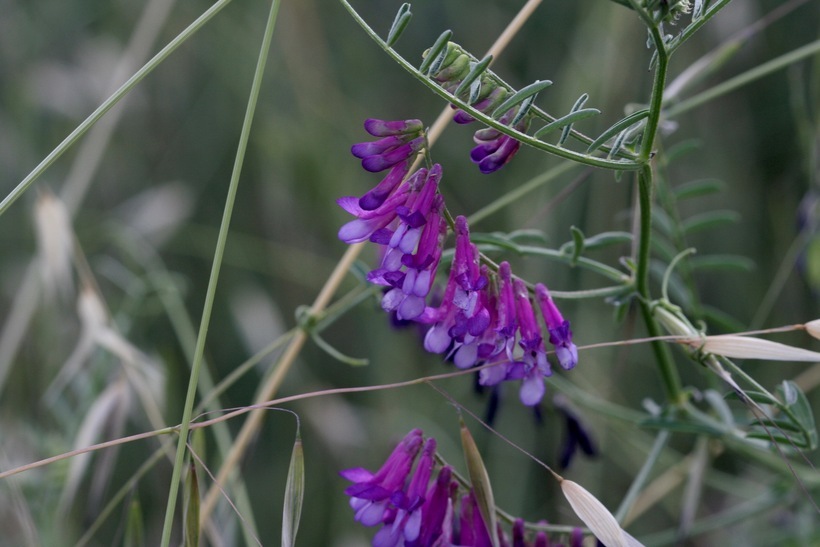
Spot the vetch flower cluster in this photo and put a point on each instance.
(485, 316)
(419, 504)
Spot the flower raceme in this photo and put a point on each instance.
(418, 504)
(485, 316)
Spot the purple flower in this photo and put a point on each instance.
(533, 365)
(437, 508)
(369, 220)
(400, 141)
(413, 247)
(495, 148)
(558, 327)
(505, 326)
(472, 529)
(406, 524)
(462, 315)
(372, 492)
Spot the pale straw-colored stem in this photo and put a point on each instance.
(254, 421)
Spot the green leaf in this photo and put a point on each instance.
(438, 51)
(566, 120)
(797, 405)
(476, 70)
(498, 239)
(662, 221)
(578, 244)
(529, 235)
(519, 97)
(617, 127)
(681, 149)
(696, 188)
(192, 508)
(606, 239)
(782, 425)
(294, 494)
(758, 397)
(788, 442)
(401, 21)
(711, 219)
(480, 481)
(721, 262)
(579, 103)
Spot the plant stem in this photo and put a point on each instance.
(215, 268)
(666, 367)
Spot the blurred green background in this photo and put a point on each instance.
(159, 190)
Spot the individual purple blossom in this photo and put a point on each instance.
(505, 327)
(437, 507)
(558, 327)
(368, 221)
(494, 149)
(372, 492)
(533, 365)
(462, 315)
(400, 140)
(413, 247)
(472, 529)
(406, 522)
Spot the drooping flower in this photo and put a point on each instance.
(462, 315)
(372, 492)
(533, 365)
(558, 327)
(413, 247)
(406, 522)
(400, 140)
(494, 149)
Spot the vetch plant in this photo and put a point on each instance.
(613, 294)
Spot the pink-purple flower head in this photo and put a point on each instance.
(400, 141)
(560, 333)
(371, 492)
(495, 149)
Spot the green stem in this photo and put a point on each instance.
(666, 366)
(656, 100)
(215, 268)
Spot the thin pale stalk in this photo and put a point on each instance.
(214, 277)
